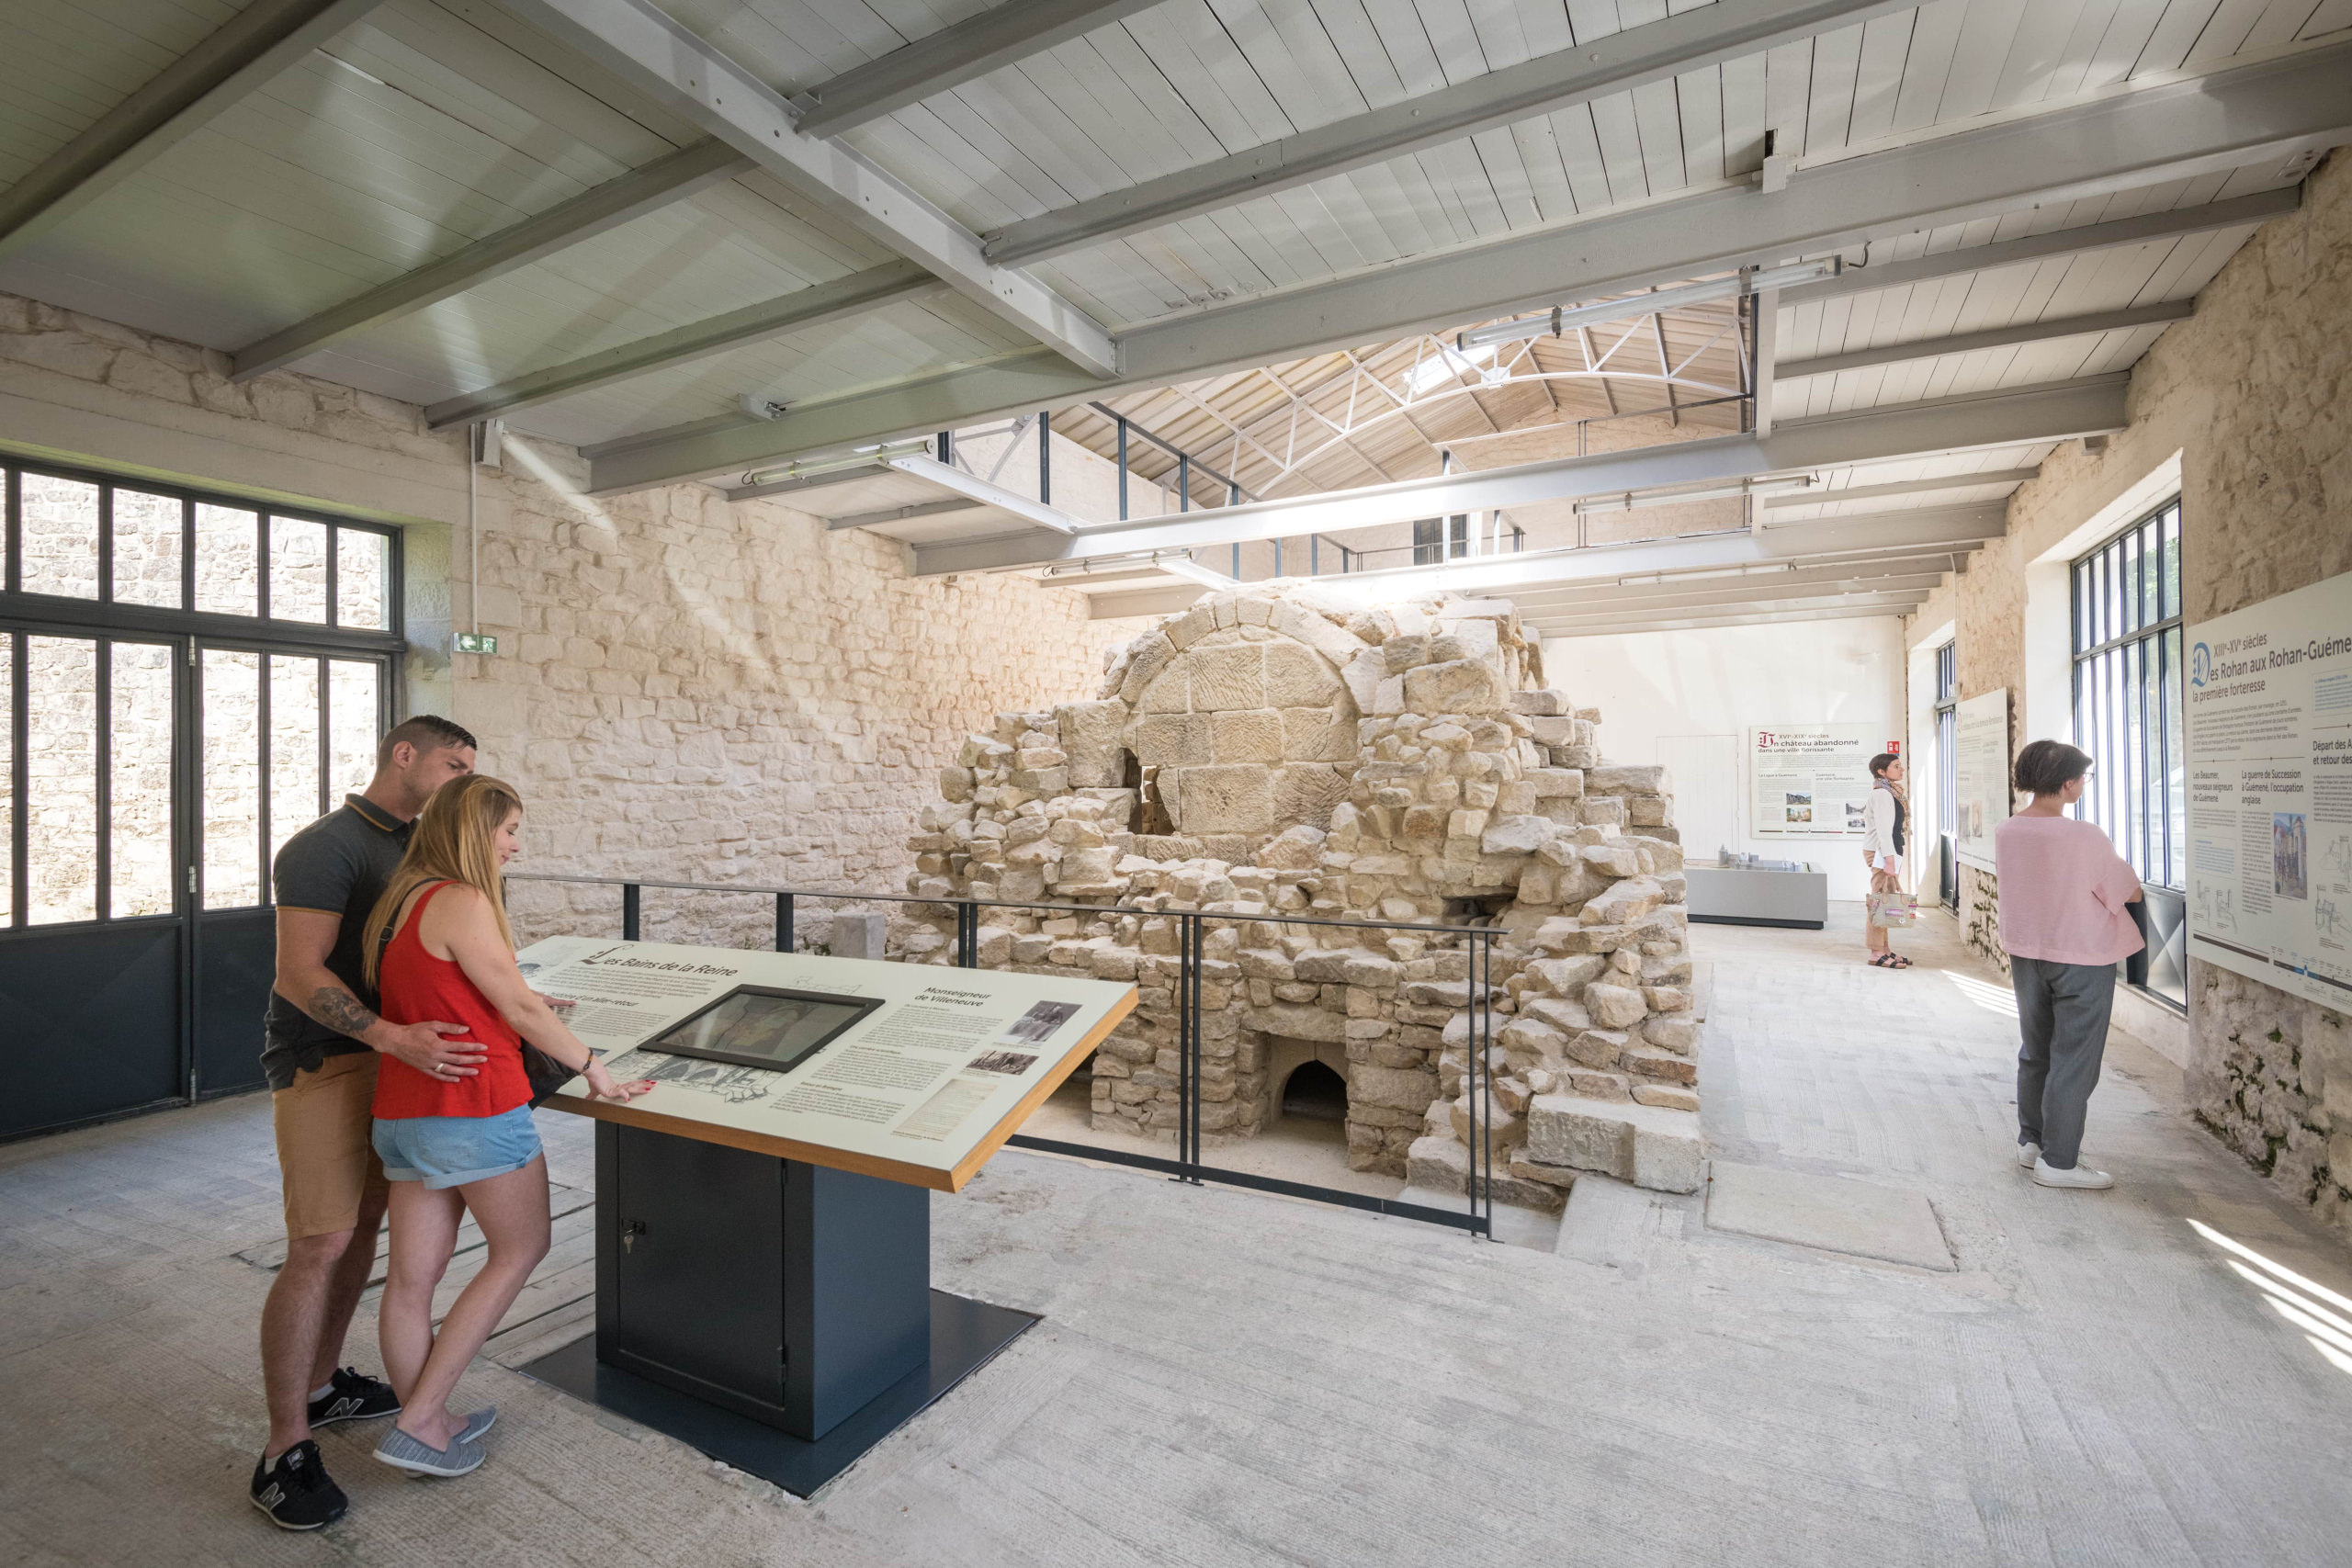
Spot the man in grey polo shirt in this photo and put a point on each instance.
(322, 1036)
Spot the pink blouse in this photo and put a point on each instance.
(2062, 892)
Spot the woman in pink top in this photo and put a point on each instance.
(2064, 926)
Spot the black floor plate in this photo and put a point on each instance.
(964, 1335)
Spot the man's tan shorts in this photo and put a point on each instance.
(325, 1158)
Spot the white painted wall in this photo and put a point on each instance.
(1677, 697)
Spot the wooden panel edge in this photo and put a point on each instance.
(1007, 1124)
(756, 1143)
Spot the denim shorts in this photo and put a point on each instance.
(450, 1151)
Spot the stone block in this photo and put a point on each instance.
(1246, 735)
(1515, 836)
(1653, 1146)
(1146, 656)
(1666, 1067)
(1362, 674)
(858, 935)
(1665, 1095)
(1093, 736)
(1301, 1021)
(1617, 778)
(1502, 1130)
(1236, 799)
(1461, 685)
(1545, 703)
(1677, 1034)
(1614, 1007)
(1174, 740)
(1307, 792)
(1299, 677)
(1172, 693)
(1596, 1048)
(1649, 810)
(1551, 783)
(1602, 810)
(1319, 735)
(1438, 1163)
(1227, 678)
(1550, 730)
(1395, 1088)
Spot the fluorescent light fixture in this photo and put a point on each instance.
(1633, 500)
(1563, 318)
(864, 457)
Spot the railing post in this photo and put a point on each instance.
(968, 934)
(1123, 469)
(630, 891)
(1045, 459)
(783, 932)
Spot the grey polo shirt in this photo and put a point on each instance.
(339, 866)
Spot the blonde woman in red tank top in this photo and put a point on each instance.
(454, 1144)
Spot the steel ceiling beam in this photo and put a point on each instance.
(2178, 223)
(2222, 121)
(2054, 412)
(803, 308)
(1906, 592)
(1004, 35)
(256, 44)
(1875, 577)
(1617, 63)
(655, 55)
(1826, 497)
(1755, 615)
(1991, 337)
(599, 209)
(1903, 538)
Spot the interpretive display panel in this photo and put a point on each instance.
(911, 1072)
(2270, 791)
(1813, 781)
(1980, 775)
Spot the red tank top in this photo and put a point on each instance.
(417, 987)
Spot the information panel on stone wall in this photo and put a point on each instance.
(911, 1071)
(1980, 793)
(1813, 781)
(2270, 791)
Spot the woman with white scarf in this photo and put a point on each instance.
(1882, 850)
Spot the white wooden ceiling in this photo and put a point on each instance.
(419, 128)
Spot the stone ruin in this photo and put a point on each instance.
(1274, 749)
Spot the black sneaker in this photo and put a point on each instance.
(353, 1395)
(297, 1493)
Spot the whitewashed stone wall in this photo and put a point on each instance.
(687, 689)
(2251, 394)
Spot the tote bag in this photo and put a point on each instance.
(1891, 910)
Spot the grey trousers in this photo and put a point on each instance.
(2061, 1014)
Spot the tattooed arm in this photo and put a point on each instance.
(305, 937)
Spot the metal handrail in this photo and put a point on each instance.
(1188, 1166)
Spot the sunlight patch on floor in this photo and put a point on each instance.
(1991, 997)
(2324, 1316)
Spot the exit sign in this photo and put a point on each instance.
(477, 642)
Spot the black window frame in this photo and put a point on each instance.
(2126, 627)
(1948, 773)
(105, 620)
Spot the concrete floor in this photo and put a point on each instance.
(1229, 1378)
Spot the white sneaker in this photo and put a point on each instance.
(2081, 1176)
(2028, 1154)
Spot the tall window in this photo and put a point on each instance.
(1948, 773)
(2127, 716)
(2127, 694)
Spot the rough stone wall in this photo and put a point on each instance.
(1271, 752)
(686, 689)
(2254, 395)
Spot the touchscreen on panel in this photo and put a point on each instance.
(763, 1028)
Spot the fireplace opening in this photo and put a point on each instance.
(1314, 1093)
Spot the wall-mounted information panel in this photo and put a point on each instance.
(1980, 775)
(2270, 791)
(911, 1072)
(1813, 781)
